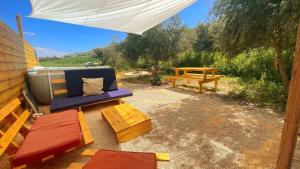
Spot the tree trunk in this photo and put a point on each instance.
(281, 66)
(155, 74)
(292, 117)
(277, 42)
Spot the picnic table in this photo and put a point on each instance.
(200, 74)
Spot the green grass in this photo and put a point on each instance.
(69, 61)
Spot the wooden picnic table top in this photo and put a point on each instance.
(197, 68)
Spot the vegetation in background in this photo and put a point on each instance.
(252, 40)
(248, 24)
(68, 60)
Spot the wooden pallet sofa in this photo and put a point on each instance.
(74, 84)
(49, 135)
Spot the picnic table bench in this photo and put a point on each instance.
(192, 73)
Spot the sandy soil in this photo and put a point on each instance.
(200, 131)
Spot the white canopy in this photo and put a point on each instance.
(133, 16)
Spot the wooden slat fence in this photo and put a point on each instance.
(16, 55)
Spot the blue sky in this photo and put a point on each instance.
(55, 38)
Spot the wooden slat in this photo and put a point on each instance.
(76, 166)
(5, 111)
(12, 132)
(20, 167)
(60, 91)
(58, 81)
(89, 152)
(120, 84)
(48, 158)
(88, 139)
(125, 115)
(11, 66)
(4, 85)
(126, 121)
(70, 149)
(10, 94)
(13, 143)
(16, 55)
(162, 156)
(195, 78)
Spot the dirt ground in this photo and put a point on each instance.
(200, 131)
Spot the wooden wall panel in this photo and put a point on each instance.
(16, 55)
(30, 55)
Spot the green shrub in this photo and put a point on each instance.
(223, 64)
(261, 91)
(187, 59)
(255, 64)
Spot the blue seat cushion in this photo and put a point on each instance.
(64, 103)
(74, 82)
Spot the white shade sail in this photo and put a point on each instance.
(133, 16)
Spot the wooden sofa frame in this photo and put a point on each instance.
(64, 91)
(92, 152)
(14, 118)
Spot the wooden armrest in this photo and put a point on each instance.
(87, 136)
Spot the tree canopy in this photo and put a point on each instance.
(247, 24)
(157, 44)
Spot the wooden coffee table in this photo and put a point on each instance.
(126, 121)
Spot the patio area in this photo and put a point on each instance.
(199, 131)
(182, 124)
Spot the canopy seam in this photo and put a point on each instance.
(96, 12)
(136, 14)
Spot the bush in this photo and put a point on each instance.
(223, 64)
(187, 59)
(256, 63)
(260, 91)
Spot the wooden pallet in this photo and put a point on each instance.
(17, 117)
(126, 121)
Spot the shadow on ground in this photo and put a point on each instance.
(200, 131)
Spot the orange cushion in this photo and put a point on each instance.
(56, 119)
(106, 159)
(49, 138)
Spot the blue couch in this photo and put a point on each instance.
(74, 86)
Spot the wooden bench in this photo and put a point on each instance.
(92, 152)
(199, 78)
(126, 121)
(208, 75)
(13, 121)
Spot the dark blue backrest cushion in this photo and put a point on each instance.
(74, 79)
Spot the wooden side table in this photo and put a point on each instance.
(126, 121)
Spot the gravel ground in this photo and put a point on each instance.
(200, 131)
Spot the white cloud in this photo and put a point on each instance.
(29, 33)
(42, 52)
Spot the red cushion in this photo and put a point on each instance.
(41, 143)
(56, 119)
(105, 159)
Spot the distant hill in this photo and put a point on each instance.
(76, 59)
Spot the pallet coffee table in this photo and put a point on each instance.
(126, 121)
